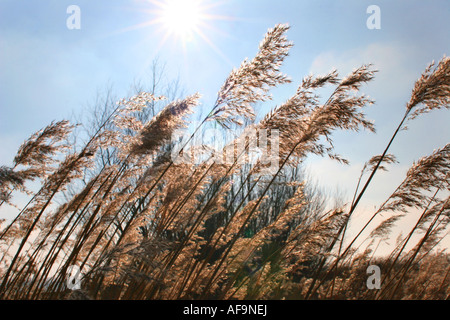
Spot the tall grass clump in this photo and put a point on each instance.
(141, 224)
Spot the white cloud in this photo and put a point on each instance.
(335, 176)
(393, 61)
(399, 66)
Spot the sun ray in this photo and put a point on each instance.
(179, 18)
(138, 26)
(184, 19)
(184, 22)
(215, 48)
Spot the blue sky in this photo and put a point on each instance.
(48, 72)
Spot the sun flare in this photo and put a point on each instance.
(182, 17)
(188, 23)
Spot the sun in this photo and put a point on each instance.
(182, 18)
(189, 23)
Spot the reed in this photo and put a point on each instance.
(143, 225)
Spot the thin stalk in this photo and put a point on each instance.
(353, 207)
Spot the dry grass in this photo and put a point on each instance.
(146, 226)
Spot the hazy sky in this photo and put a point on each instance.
(49, 72)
